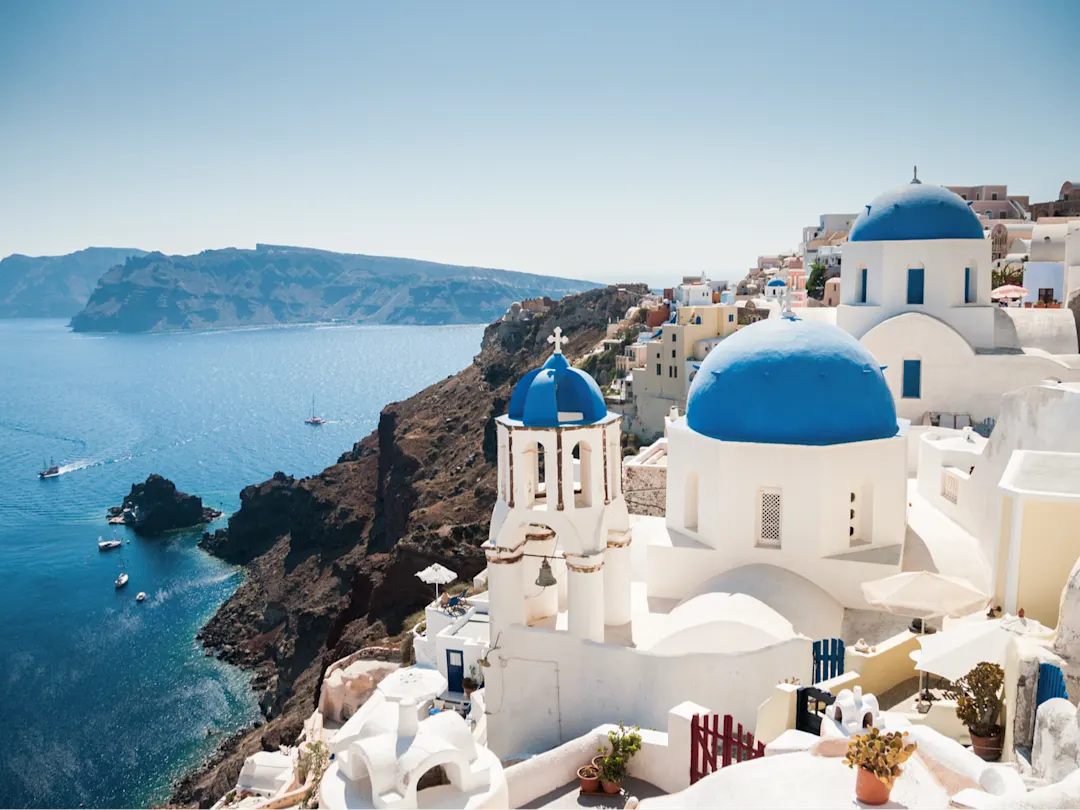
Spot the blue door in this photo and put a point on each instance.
(455, 670)
(915, 285)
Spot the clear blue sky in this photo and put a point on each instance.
(613, 141)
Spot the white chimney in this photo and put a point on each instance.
(407, 719)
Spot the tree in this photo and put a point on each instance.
(815, 282)
(1011, 273)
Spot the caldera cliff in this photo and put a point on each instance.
(331, 558)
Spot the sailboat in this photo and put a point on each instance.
(314, 420)
(121, 580)
(52, 471)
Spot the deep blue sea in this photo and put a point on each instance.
(103, 701)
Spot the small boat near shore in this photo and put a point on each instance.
(140, 596)
(121, 580)
(108, 545)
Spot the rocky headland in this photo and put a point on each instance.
(331, 559)
(156, 506)
(275, 284)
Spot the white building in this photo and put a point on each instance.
(720, 599)
(916, 292)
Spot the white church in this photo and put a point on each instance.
(915, 291)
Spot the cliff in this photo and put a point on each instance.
(156, 506)
(54, 286)
(281, 285)
(331, 558)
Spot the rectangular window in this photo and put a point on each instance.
(676, 372)
(968, 297)
(657, 369)
(669, 372)
(674, 337)
(915, 285)
(769, 518)
(993, 195)
(912, 388)
(1046, 295)
(672, 354)
(862, 286)
(731, 319)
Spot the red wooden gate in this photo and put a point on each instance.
(711, 748)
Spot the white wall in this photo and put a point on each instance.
(955, 379)
(815, 520)
(546, 687)
(943, 261)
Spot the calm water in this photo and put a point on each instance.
(103, 701)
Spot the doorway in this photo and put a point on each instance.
(455, 670)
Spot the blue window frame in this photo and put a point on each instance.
(915, 285)
(862, 286)
(968, 297)
(731, 319)
(912, 388)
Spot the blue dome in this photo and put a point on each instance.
(783, 381)
(777, 282)
(556, 388)
(916, 211)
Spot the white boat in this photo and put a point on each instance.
(121, 581)
(141, 596)
(314, 420)
(107, 545)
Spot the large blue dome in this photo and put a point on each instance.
(916, 211)
(784, 381)
(553, 389)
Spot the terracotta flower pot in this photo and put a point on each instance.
(869, 789)
(589, 784)
(597, 760)
(988, 748)
(611, 787)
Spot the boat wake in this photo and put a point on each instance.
(87, 463)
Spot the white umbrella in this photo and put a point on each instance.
(924, 594)
(953, 653)
(1008, 291)
(412, 683)
(436, 575)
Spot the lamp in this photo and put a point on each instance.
(545, 579)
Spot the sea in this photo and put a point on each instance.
(104, 700)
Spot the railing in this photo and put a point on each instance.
(711, 748)
(950, 486)
(1051, 684)
(828, 659)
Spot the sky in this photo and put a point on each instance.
(612, 141)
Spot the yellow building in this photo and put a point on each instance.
(1039, 537)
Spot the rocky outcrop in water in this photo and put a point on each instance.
(156, 506)
(331, 559)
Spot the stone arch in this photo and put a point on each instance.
(584, 489)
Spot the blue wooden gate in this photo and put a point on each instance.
(1051, 684)
(828, 659)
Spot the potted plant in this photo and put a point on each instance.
(615, 764)
(978, 707)
(878, 758)
(471, 682)
(589, 778)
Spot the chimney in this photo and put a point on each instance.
(407, 719)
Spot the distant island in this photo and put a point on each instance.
(287, 285)
(54, 286)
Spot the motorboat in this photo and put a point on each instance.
(140, 596)
(52, 471)
(121, 580)
(108, 545)
(314, 420)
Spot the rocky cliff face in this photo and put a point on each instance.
(277, 285)
(156, 506)
(54, 286)
(331, 558)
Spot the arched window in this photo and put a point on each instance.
(535, 475)
(583, 493)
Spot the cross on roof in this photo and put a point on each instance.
(558, 339)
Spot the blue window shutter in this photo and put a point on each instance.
(912, 388)
(862, 287)
(915, 285)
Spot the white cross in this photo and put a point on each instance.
(558, 339)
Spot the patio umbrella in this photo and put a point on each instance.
(955, 651)
(924, 595)
(1008, 291)
(436, 575)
